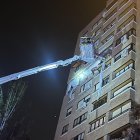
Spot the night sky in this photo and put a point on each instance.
(34, 33)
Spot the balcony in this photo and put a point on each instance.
(132, 11)
(96, 134)
(120, 121)
(129, 74)
(123, 3)
(111, 9)
(128, 5)
(111, 18)
(106, 45)
(126, 28)
(125, 95)
(122, 61)
(119, 47)
(109, 31)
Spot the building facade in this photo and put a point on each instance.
(107, 113)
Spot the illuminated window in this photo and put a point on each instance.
(120, 110)
(97, 123)
(123, 68)
(122, 87)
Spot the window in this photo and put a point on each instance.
(69, 111)
(86, 86)
(97, 86)
(124, 52)
(122, 87)
(100, 102)
(65, 129)
(79, 137)
(120, 110)
(83, 103)
(72, 96)
(97, 123)
(105, 81)
(123, 68)
(107, 64)
(80, 119)
(102, 138)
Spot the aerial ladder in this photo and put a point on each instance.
(87, 55)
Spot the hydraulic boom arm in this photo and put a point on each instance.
(38, 69)
(87, 55)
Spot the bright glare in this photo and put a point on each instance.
(47, 67)
(80, 75)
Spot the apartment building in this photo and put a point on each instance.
(88, 114)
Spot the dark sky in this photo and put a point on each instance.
(34, 33)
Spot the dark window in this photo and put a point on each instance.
(69, 111)
(111, 4)
(105, 81)
(80, 119)
(79, 137)
(100, 102)
(65, 129)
